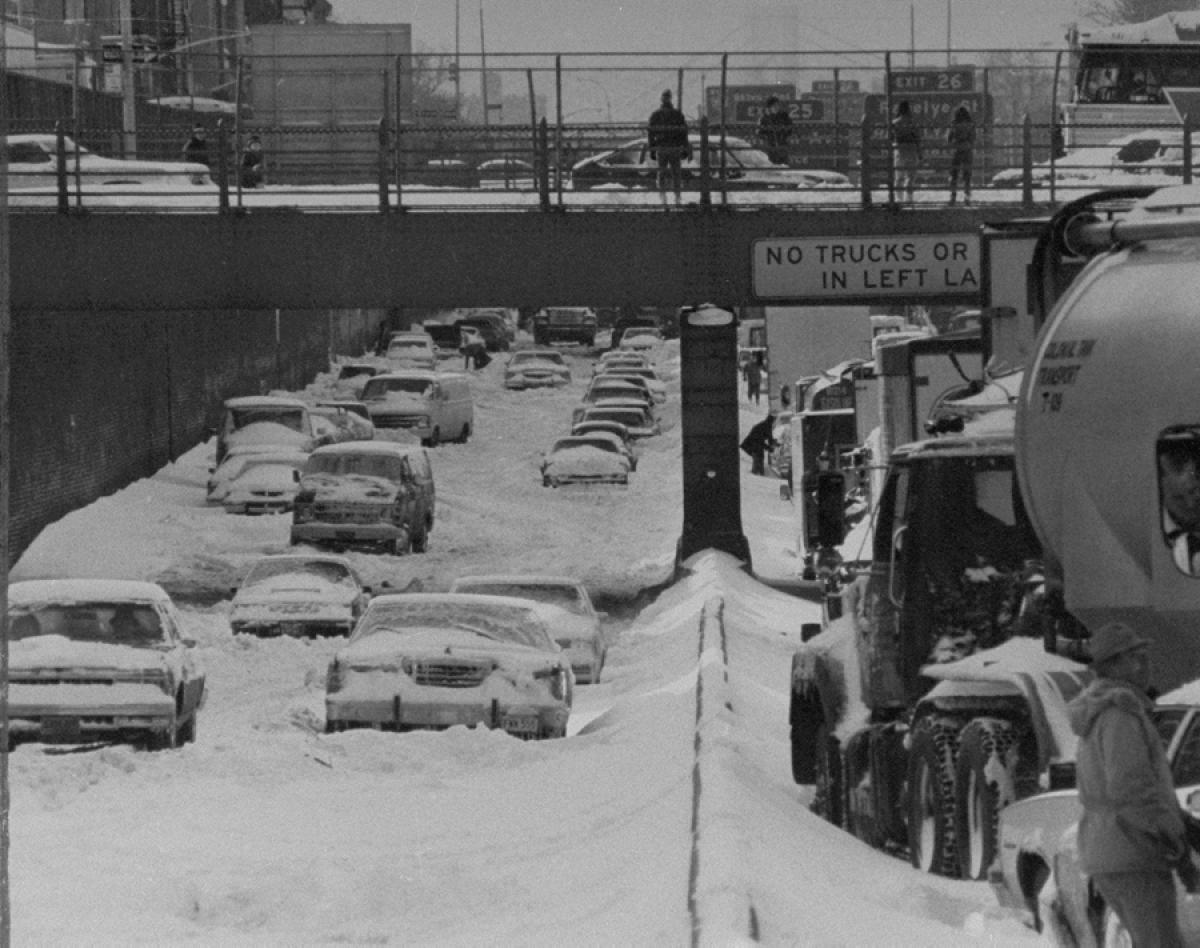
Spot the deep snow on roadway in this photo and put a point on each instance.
(267, 831)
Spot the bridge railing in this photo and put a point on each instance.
(434, 130)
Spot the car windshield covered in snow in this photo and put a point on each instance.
(527, 356)
(117, 623)
(387, 466)
(555, 594)
(599, 442)
(293, 418)
(492, 620)
(381, 386)
(271, 568)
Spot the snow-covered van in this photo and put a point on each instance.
(435, 406)
(271, 421)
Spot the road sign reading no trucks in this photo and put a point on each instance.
(863, 269)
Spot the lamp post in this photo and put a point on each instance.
(949, 61)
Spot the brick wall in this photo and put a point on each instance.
(102, 399)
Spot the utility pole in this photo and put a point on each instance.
(483, 68)
(5, 474)
(128, 106)
(457, 66)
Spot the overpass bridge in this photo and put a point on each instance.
(96, 268)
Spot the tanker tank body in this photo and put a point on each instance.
(1113, 383)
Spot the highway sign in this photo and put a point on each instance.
(950, 79)
(736, 96)
(855, 269)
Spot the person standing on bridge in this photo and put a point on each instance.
(196, 147)
(906, 149)
(667, 137)
(961, 139)
(774, 130)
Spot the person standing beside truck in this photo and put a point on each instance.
(1131, 835)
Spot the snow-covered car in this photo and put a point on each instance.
(265, 483)
(656, 392)
(357, 493)
(434, 660)
(582, 637)
(221, 477)
(33, 163)
(637, 419)
(654, 385)
(352, 376)
(619, 358)
(1129, 159)
(99, 660)
(347, 421)
(265, 422)
(411, 350)
(1036, 871)
(738, 166)
(586, 459)
(614, 428)
(298, 594)
(536, 368)
(605, 387)
(641, 339)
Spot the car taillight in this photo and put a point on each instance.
(333, 678)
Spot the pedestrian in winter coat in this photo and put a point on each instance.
(961, 139)
(667, 138)
(774, 130)
(758, 441)
(1131, 834)
(253, 167)
(754, 377)
(906, 149)
(195, 149)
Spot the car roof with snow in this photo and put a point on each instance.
(528, 579)
(367, 447)
(264, 401)
(545, 611)
(84, 590)
(303, 558)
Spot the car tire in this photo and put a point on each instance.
(187, 732)
(856, 768)
(985, 784)
(827, 795)
(930, 797)
(465, 435)
(435, 438)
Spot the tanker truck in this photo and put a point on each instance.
(933, 693)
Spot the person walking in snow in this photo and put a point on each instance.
(1131, 835)
(754, 377)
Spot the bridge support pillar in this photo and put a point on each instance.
(712, 501)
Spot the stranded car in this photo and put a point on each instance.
(434, 660)
(536, 368)
(264, 483)
(33, 163)
(565, 324)
(586, 459)
(358, 493)
(582, 638)
(637, 419)
(411, 350)
(99, 659)
(434, 406)
(298, 594)
(656, 386)
(265, 421)
(351, 420)
(352, 376)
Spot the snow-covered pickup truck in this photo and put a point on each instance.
(565, 324)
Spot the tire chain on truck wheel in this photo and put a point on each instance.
(934, 748)
(987, 761)
(856, 766)
(827, 796)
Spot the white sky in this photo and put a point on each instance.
(694, 25)
(268, 832)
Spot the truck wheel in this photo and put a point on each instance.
(187, 733)
(858, 783)
(827, 798)
(931, 797)
(984, 777)
(420, 540)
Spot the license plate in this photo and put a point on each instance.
(520, 724)
(60, 730)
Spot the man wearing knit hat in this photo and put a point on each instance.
(1131, 835)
